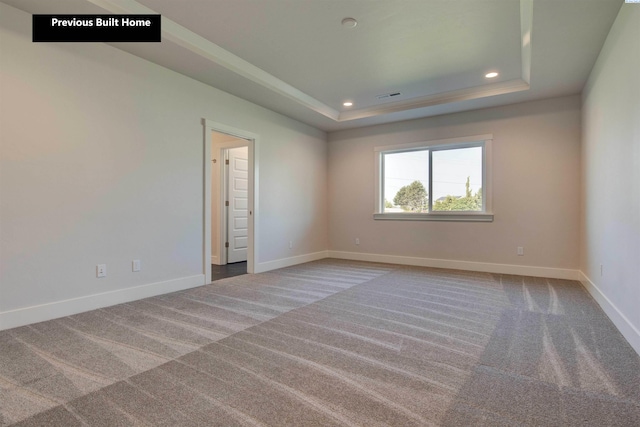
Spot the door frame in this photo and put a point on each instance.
(249, 140)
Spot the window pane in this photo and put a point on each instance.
(405, 181)
(457, 179)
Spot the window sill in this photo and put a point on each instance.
(444, 216)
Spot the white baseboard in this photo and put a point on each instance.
(522, 270)
(626, 328)
(214, 260)
(287, 262)
(54, 310)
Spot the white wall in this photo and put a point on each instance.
(611, 176)
(101, 162)
(536, 154)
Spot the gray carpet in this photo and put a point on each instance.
(330, 343)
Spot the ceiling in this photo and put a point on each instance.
(295, 57)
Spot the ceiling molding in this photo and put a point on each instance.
(483, 91)
(199, 45)
(526, 31)
(466, 94)
(212, 52)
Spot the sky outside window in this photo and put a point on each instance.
(450, 171)
(402, 169)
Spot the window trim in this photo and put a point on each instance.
(486, 215)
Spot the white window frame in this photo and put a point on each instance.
(486, 215)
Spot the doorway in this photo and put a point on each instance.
(229, 201)
(235, 222)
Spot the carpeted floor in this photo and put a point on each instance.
(330, 343)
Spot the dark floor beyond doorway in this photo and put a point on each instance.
(222, 271)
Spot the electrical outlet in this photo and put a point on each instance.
(290, 244)
(357, 240)
(601, 270)
(135, 265)
(520, 251)
(101, 270)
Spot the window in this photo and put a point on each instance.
(446, 180)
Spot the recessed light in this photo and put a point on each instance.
(347, 104)
(491, 75)
(349, 23)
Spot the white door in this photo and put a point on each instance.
(238, 220)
